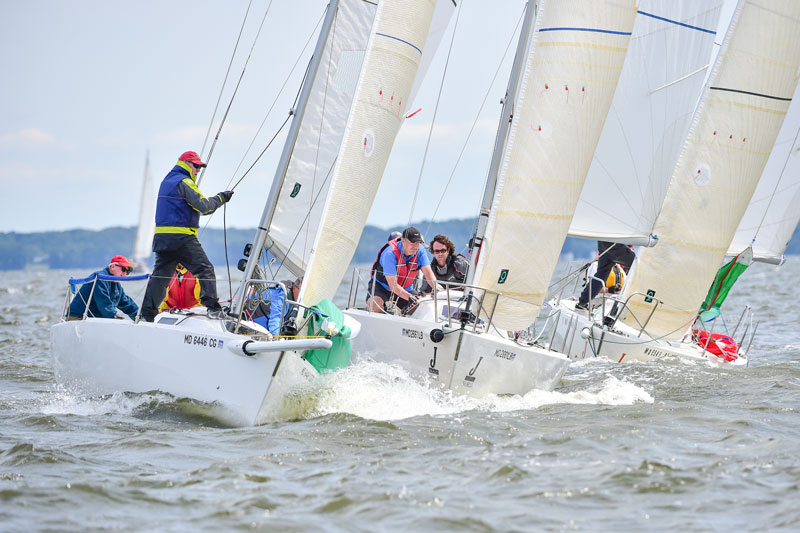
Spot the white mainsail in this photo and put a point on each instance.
(732, 134)
(576, 52)
(658, 90)
(143, 245)
(384, 89)
(774, 210)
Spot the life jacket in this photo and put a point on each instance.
(615, 279)
(406, 271)
(719, 344)
(183, 291)
(173, 214)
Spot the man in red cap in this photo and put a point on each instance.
(107, 297)
(180, 204)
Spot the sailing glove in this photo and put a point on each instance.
(226, 196)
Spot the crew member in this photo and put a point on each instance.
(108, 296)
(610, 254)
(395, 270)
(447, 265)
(180, 204)
(183, 291)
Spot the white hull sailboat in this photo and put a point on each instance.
(189, 356)
(463, 337)
(722, 159)
(232, 361)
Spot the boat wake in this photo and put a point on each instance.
(154, 405)
(380, 391)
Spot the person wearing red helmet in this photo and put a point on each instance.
(178, 209)
(107, 297)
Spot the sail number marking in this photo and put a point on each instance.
(202, 340)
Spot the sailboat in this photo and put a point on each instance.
(235, 362)
(568, 60)
(142, 245)
(733, 131)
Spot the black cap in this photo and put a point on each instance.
(412, 234)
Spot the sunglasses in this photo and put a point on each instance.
(440, 251)
(126, 270)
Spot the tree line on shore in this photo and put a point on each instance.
(91, 249)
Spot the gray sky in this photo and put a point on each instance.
(89, 86)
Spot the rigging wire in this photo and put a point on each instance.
(235, 90)
(433, 121)
(283, 86)
(225, 80)
(475, 122)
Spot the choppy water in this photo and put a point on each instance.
(651, 446)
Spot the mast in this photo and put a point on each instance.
(506, 117)
(261, 236)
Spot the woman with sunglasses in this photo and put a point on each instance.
(447, 265)
(108, 296)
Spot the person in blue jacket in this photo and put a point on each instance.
(274, 302)
(178, 209)
(108, 296)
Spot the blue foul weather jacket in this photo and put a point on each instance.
(107, 297)
(180, 202)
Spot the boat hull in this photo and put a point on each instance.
(189, 358)
(579, 337)
(466, 362)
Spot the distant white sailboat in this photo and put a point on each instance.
(568, 60)
(733, 131)
(237, 363)
(143, 245)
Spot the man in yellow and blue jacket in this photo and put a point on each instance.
(180, 204)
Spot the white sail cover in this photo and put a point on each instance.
(574, 60)
(774, 210)
(308, 176)
(658, 91)
(732, 134)
(143, 245)
(390, 66)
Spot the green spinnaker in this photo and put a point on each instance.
(723, 282)
(338, 355)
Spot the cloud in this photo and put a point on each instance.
(27, 138)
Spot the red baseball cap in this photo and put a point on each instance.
(191, 157)
(121, 260)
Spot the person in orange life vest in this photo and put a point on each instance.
(183, 291)
(395, 270)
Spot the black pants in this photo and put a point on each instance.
(170, 250)
(610, 253)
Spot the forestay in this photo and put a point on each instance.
(383, 93)
(658, 90)
(576, 52)
(774, 210)
(731, 136)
